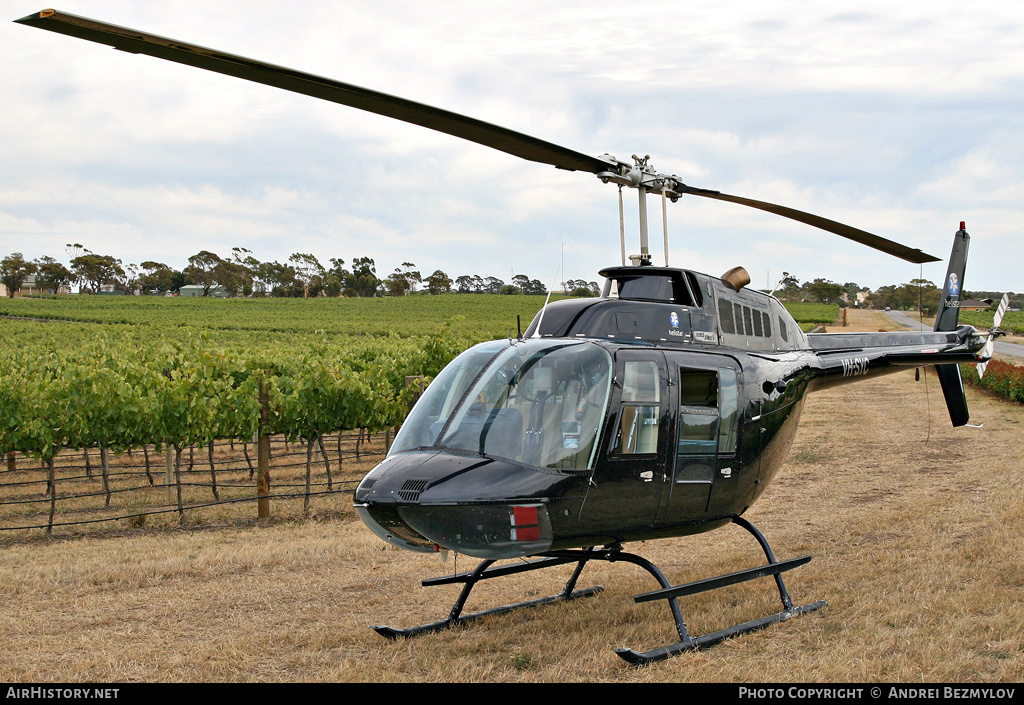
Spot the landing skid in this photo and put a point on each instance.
(485, 571)
(668, 592)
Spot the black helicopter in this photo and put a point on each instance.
(662, 408)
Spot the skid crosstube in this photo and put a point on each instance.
(689, 643)
(667, 591)
(487, 570)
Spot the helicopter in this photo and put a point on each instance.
(662, 408)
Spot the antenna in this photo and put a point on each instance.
(540, 321)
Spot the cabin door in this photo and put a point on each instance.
(706, 425)
(630, 477)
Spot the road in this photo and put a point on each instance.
(1000, 346)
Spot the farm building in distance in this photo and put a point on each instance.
(30, 287)
(975, 304)
(196, 290)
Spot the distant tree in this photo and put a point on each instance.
(76, 250)
(918, 293)
(823, 290)
(202, 270)
(581, 287)
(52, 274)
(336, 277)
(363, 281)
(96, 270)
(14, 269)
(249, 268)
(396, 284)
(438, 283)
(789, 288)
(521, 282)
(464, 284)
(279, 278)
(402, 280)
(156, 276)
(129, 281)
(234, 277)
(923, 295)
(309, 273)
(412, 275)
(535, 286)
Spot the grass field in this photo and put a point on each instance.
(484, 316)
(915, 529)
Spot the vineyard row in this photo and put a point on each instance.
(64, 492)
(184, 391)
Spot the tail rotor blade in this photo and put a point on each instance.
(994, 332)
(1001, 311)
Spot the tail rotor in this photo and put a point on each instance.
(993, 333)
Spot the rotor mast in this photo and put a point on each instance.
(641, 176)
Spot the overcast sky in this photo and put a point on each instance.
(898, 118)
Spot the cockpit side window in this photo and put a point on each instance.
(641, 409)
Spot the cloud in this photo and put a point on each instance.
(901, 120)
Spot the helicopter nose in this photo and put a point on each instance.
(484, 530)
(477, 506)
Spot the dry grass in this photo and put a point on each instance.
(915, 529)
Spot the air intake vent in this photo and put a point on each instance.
(411, 490)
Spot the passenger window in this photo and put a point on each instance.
(707, 422)
(725, 316)
(698, 388)
(728, 411)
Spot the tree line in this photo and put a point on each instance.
(916, 294)
(303, 275)
(241, 274)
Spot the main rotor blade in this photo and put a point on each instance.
(494, 136)
(135, 42)
(865, 238)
